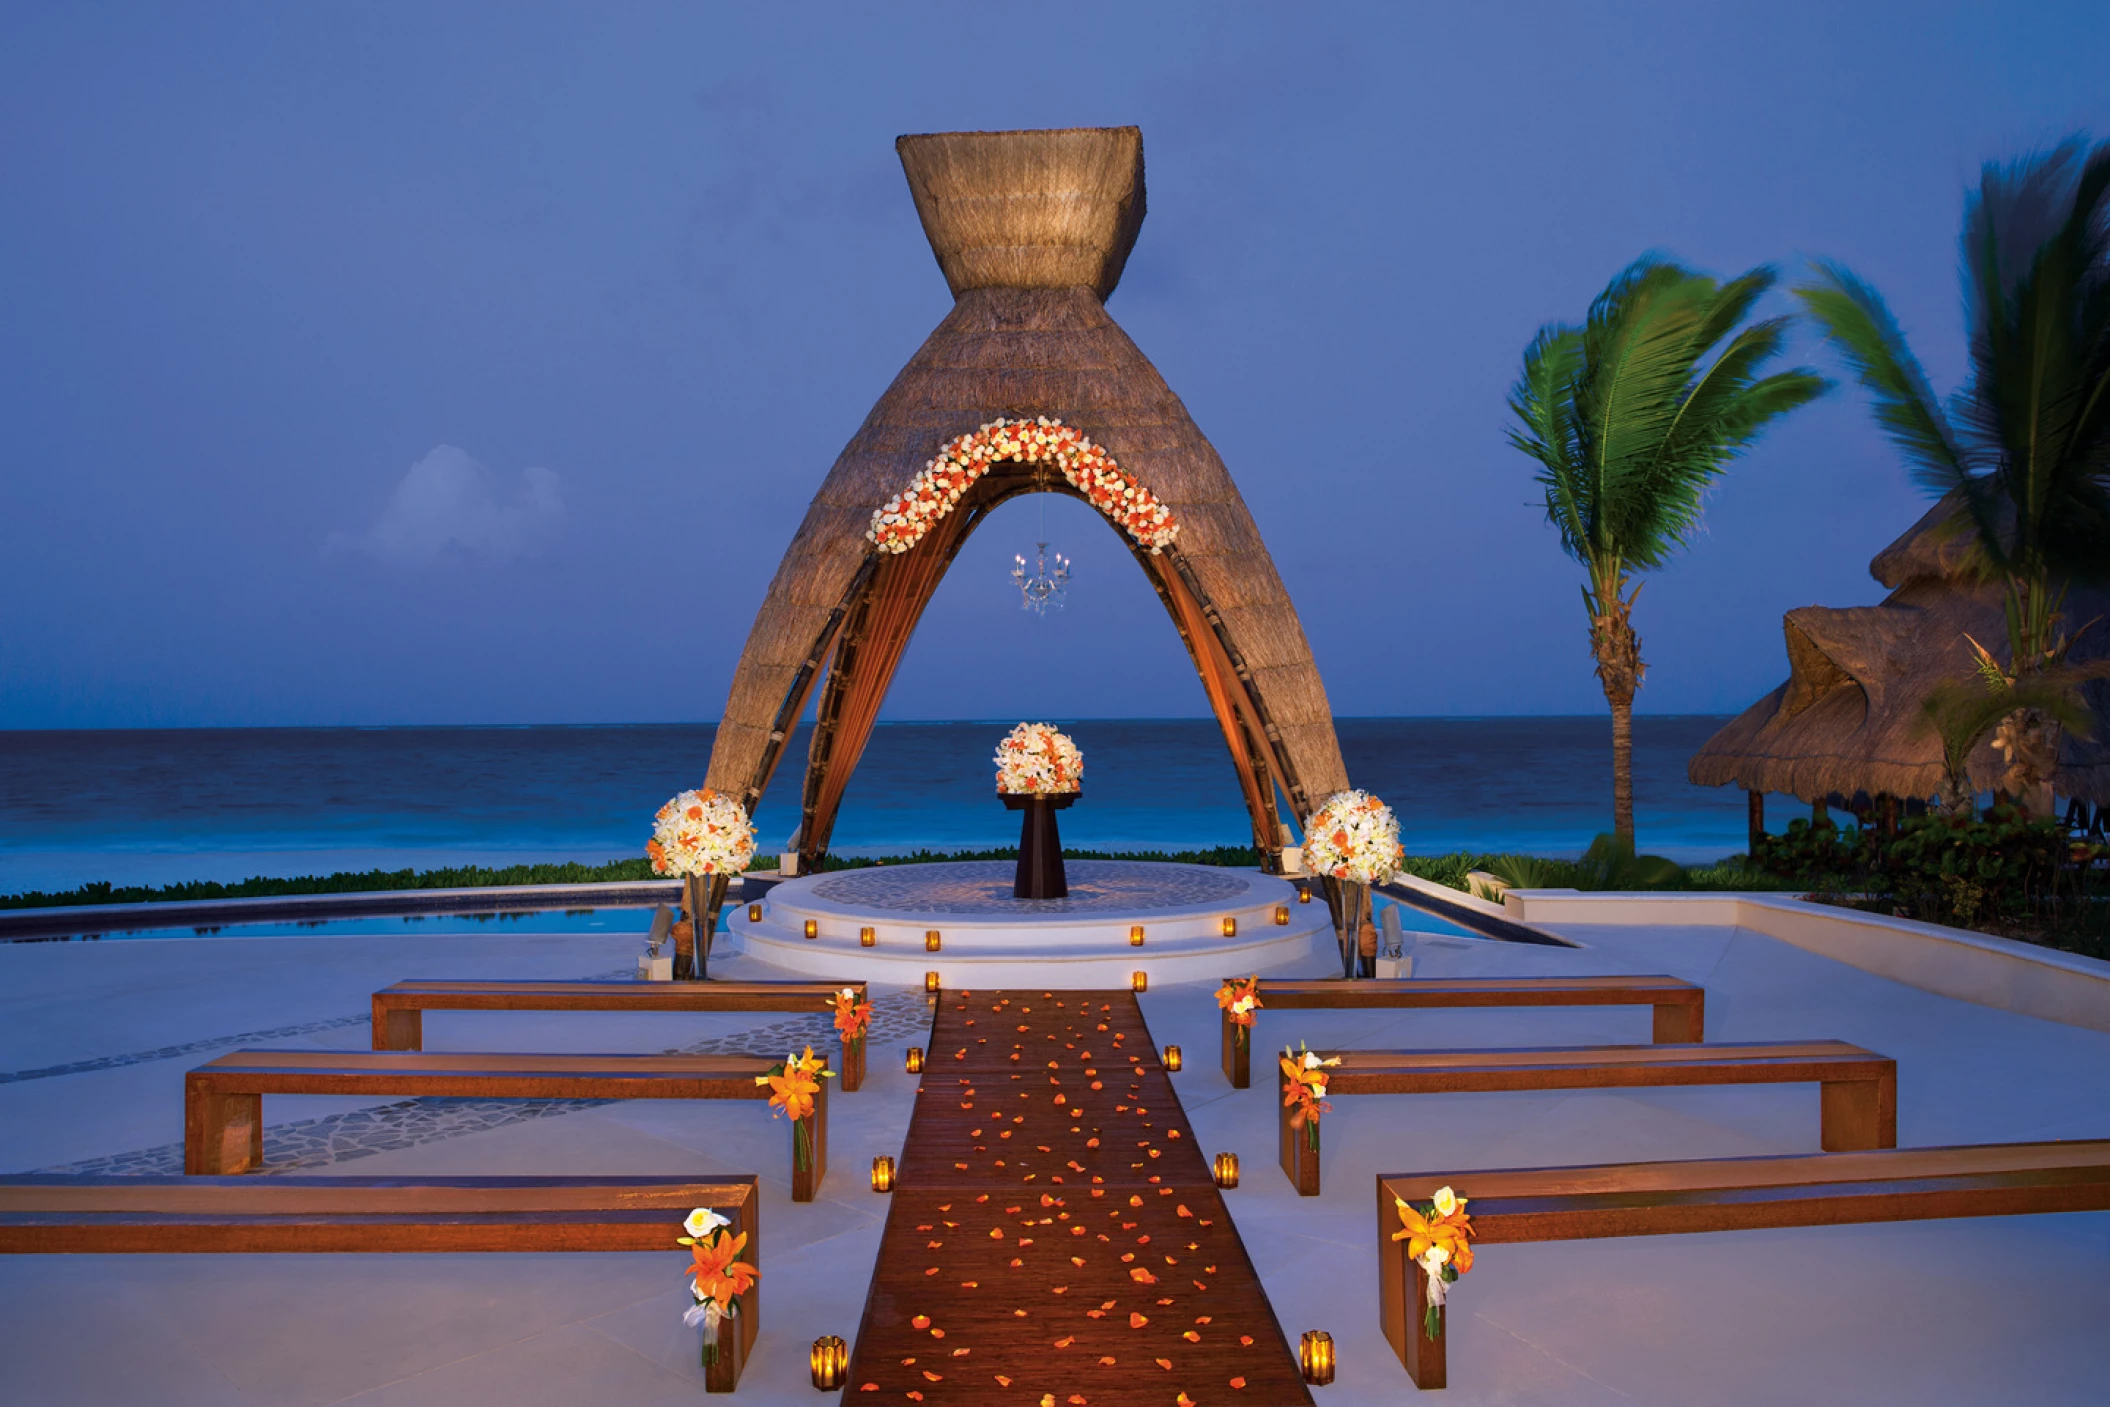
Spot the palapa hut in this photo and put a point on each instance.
(1031, 230)
(1849, 717)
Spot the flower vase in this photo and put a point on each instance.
(853, 1071)
(1040, 873)
(809, 1147)
(1300, 1150)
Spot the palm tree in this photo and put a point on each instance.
(1631, 423)
(2024, 444)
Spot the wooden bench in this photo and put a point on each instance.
(1859, 1089)
(42, 1214)
(1732, 1194)
(399, 1011)
(1680, 1007)
(223, 1102)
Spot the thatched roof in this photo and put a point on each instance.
(1849, 717)
(1031, 230)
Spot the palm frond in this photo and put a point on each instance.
(1855, 317)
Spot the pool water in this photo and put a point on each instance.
(634, 920)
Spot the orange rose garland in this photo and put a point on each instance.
(1438, 1240)
(1240, 1001)
(901, 522)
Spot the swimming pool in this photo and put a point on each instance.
(624, 919)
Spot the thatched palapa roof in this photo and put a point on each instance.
(1849, 716)
(1031, 230)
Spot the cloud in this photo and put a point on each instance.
(452, 505)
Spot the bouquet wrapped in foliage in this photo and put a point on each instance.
(717, 1275)
(1034, 758)
(1353, 837)
(701, 833)
(1437, 1235)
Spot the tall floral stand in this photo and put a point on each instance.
(703, 894)
(1351, 912)
(1040, 873)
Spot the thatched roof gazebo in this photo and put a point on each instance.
(1031, 230)
(1849, 717)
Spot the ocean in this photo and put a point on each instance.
(167, 805)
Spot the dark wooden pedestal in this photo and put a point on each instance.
(1040, 874)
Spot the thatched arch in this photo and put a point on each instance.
(1032, 230)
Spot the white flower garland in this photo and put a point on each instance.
(902, 521)
(1036, 758)
(700, 833)
(1355, 837)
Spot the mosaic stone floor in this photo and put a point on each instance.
(308, 1144)
(984, 887)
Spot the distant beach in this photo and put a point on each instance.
(166, 805)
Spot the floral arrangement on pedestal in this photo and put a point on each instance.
(1239, 999)
(1438, 1235)
(701, 833)
(1034, 759)
(1305, 1073)
(717, 1275)
(902, 520)
(852, 1017)
(1353, 837)
(792, 1084)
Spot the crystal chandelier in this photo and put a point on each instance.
(1044, 588)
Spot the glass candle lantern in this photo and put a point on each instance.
(754, 913)
(1304, 895)
(914, 1063)
(1315, 1356)
(882, 1174)
(931, 941)
(830, 1361)
(1226, 1170)
(1281, 915)
(1230, 926)
(867, 937)
(930, 984)
(1172, 1058)
(1135, 936)
(813, 928)
(1139, 981)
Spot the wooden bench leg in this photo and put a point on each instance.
(1425, 1356)
(1680, 1023)
(1238, 1055)
(806, 1180)
(398, 1027)
(222, 1133)
(853, 1065)
(1860, 1114)
(1300, 1161)
(722, 1373)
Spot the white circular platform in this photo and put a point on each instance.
(989, 938)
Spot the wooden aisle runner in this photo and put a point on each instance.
(1055, 1238)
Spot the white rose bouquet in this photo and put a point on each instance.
(1035, 758)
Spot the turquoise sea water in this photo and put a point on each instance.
(177, 804)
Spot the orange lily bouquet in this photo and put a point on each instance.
(1306, 1094)
(1240, 1000)
(1438, 1235)
(852, 1017)
(792, 1086)
(717, 1275)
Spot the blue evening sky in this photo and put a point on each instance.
(389, 363)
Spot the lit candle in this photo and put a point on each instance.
(1230, 926)
(915, 1060)
(1315, 1356)
(931, 940)
(813, 928)
(754, 913)
(1135, 936)
(1281, 915)
(1304, 895)
(1139, 981)
(1172, 1057)
(830, 1360)
(882, 1174)
(866, 937)
(930, 984)
(1227, 1170)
